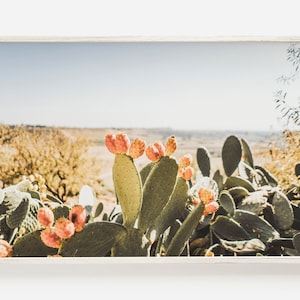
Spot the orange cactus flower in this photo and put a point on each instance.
(50, 238)
(161, 148)
(78, 217)
(110, 141)
(64, 228)
(211, 208)
(122, 143)
(152, 153)
(171, 145)
(207, 196)
(137, 148)
(45, 216)
(5, 249)
(186, 173)
(185, 161)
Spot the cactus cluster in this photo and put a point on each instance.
(255, 216)
(165, 208)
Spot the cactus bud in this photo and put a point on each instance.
(186, 173)
(161, 148)
(171, 145)
(185, 161)
(152, 153)
(50, 238)
(110, 140)
(137, 148)
(5, 249)
(122, 143)
(211, 208)
(207, 196)
(78, 217)
(45, 216)
(64, 228)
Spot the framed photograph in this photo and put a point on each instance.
(178, 150)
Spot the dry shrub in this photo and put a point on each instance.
(63, 160)
(284, 155)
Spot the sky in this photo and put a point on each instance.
(180, 85)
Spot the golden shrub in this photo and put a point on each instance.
(63, 160)
(284, 155)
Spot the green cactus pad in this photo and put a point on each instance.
(144, 172)
(128, 187)
(53, 199)
(203, 160)
(30, 245)
(188, 226)
(30, 222)
(99, 209)
(157, 190)
(173, 209)
(131, 244)
(256, 202)
(95, 240)
(283, 211)
(244, 247)
(272, 181)
(61, 211)
(228, 229)
(246, 171)
(238, 193)
(227, 202)
(256, 226)
(12, 199)
(247, 155)
(218, 178)
(297, 170)
(235, 181)
(16, 217)
(231, 154)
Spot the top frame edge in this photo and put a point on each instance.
(150, 39)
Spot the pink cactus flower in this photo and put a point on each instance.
(153, 153)
(186, 173)
(122, 143)
(50, 238)
(210, 208)
(110, 140)
(5, 249)
(137, 148)
(206, 195)
(64, 228)
(161, 148)
(185, 161)
(78, 217)
(45, 216)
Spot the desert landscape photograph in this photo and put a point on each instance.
(149, 149)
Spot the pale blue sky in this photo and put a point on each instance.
(195, 85)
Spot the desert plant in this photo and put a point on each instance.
(62, 160)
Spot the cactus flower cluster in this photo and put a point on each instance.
(208, 197)
(185, 170)
(157, 150)
(120, 144)
(63, 228)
